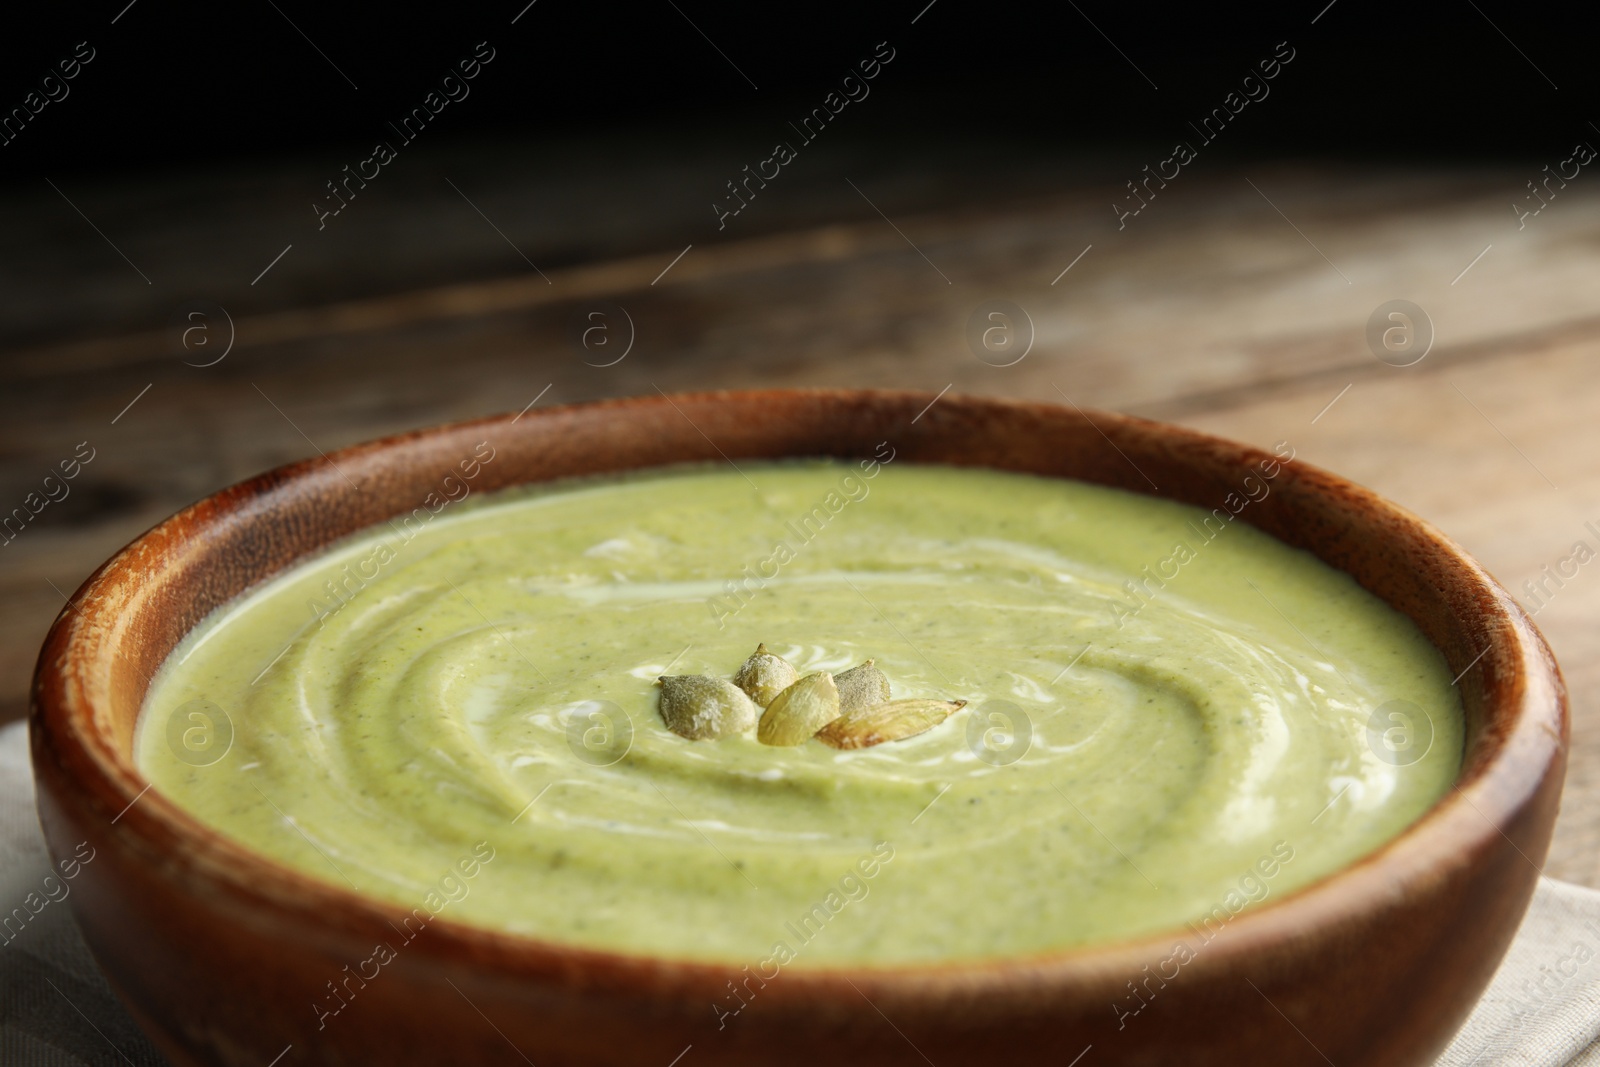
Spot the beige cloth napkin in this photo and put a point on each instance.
(1542, 1010)
(1543, 1007)
(55, 1008)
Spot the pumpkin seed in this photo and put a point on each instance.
(862, 687)
(765, 675)
(893, 720)
(800, 711)
(702, 708)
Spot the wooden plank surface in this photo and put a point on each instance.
(1236, 303)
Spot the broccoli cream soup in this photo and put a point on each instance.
(1169, 716)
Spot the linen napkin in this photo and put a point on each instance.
(1541, 1010)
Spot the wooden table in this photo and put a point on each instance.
(1237, 302)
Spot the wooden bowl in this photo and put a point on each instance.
(220, 952)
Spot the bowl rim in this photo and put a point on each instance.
(1510, 758)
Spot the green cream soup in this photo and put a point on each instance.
(1171, 716)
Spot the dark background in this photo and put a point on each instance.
(183, 85)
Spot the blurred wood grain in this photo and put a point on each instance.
(1236, 302)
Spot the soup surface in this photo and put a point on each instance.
(1171, 715)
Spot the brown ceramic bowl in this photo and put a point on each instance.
(220, 952)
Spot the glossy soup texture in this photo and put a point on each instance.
(1171, 717)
